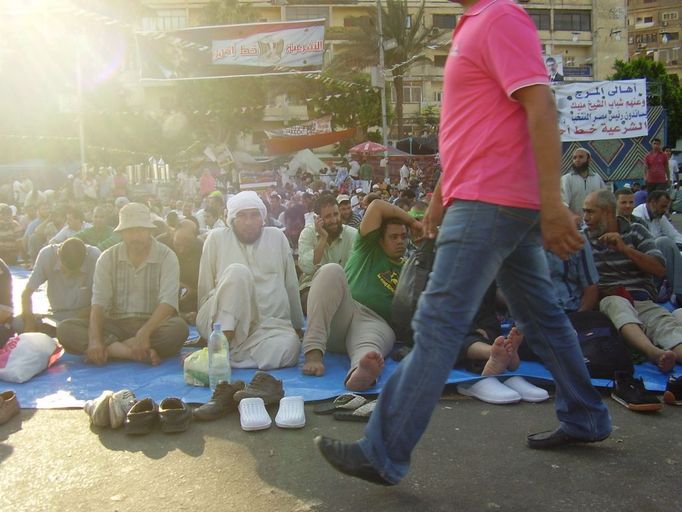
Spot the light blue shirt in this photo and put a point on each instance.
(572, 276)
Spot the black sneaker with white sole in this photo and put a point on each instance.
(673, 391)
(631, 393)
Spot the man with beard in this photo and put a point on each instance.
(627, 259)
(576, 184)
(134, 299)
(328, 241)
(350, 311)
(348, 216)
(248, 284)
(652, 216)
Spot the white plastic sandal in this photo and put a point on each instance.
(490, 390)
(252, 414)
(291, 413)
(528, 392)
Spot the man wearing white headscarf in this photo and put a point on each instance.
(248, 283)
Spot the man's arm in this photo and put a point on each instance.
(380, 210)
(309, 247)
(556, 221)
(590, 298)
(96, 352)
(27, 310)
(669, 230)
(645, 262)
(433, 217)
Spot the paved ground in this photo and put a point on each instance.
(472, 458)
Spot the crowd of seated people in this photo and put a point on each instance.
(126, 278)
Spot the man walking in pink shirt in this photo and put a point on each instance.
(656, 168)
(500, 150)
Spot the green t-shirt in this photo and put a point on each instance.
(372, 277)
(365, 172)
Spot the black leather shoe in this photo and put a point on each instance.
(174, 415)
(555, 439)
(142, 417)
(221, 403)
(349, 460)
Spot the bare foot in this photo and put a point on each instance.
(313, 365)
(499, 358)
(666, 361)
(365, 375)
(154, 358)
(512, 344)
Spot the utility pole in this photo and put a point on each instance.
(384, 129)
(79, 92)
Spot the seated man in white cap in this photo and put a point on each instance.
(134, 299)
(248, 283)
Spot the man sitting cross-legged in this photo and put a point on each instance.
(248, 284)
(134, 299)
(350, 312)
(627, 259)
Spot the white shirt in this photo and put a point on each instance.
(658, 227)
(271, 264)
(673, 169)
(575, 188)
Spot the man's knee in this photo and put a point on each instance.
(284, 351)
(73, 335)
(236, 272)
(170, 337)
(328, 275)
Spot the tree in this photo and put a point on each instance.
(670, 96)
(361, 50)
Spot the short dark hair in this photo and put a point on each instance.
(655, 139)
(372, 196)
(323, 201)
(665, 148)
(75, 212)
(390, 221)
(402, 202)
(625, 191)
(654, 196)
(72, 253)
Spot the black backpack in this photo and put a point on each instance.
(411, 283)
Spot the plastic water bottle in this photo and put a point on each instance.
(218, 357)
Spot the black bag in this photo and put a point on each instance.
(411, 283)
(603, 348)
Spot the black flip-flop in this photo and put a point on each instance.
(361, 414)
(345, 402)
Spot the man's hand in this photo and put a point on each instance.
(417, 230)
(559, 232)
(96, 353)
(319, 227)
(614, 241)
(433, 217)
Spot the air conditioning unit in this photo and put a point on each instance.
(664, 23)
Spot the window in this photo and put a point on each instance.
(439, 60)
(670, 16)
(412, 93)
(165, 19)
(541, 18)
(307, 12)
(438, 96)
(444, 20)
(648, 19)
(363, 22)
(408, 21)
(672, 36)
(579, 21)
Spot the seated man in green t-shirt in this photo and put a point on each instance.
(349, 312)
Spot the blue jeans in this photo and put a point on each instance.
(479, 242)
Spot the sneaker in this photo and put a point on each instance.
(9, 406)
(119, 405)
(673, 391)
(631, 393)
(263, 385)
(98, 409)
(221, 403)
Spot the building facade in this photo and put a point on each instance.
(654, 29)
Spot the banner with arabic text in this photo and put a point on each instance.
(602, 110)
(319, 125)
(251, 49)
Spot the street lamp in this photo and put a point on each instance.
(384, 129)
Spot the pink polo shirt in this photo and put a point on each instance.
(484, 144)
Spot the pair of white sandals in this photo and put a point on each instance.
(512, 390)
(254, 416)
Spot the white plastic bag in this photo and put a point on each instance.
(195, 368)
(26, 355)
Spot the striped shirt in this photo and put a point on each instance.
(128, 292)
(616, 269)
